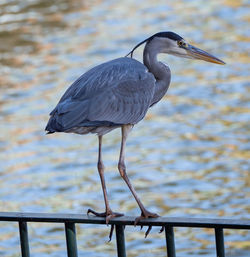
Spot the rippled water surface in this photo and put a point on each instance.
(188, 157)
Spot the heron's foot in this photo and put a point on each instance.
(146, 215)
(109, 214)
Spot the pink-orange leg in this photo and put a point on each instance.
(109, 214)
(122, 169)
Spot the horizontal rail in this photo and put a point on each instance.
(125, 220)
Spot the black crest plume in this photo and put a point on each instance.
(166, 34)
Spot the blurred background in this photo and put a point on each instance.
(188, 157)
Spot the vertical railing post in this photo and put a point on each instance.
(219, 240)
(120, 241)
(24, 239)
(169, 232)
(70, 233)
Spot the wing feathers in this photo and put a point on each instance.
(117, 92)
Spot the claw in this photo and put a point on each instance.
(148, 230)
(145, 215)
(162, 229)
(111, 232)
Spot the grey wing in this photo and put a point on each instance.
(114, 93)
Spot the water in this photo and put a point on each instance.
(190, 155)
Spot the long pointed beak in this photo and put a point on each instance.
(197, 53)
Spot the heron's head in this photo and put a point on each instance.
(172, 43)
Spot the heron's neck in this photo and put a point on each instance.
(159, 70)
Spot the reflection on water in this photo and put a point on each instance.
(189, 157)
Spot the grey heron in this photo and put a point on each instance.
(118, 94)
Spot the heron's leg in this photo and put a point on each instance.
(122, 169)
(109, 214)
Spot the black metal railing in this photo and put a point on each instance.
(169, 224)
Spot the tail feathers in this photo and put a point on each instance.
(49, 132)
(53, 126)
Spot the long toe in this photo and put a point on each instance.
(109, 214)
(111, 232)
(148, 230)
(162, 229)
(98, 214)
